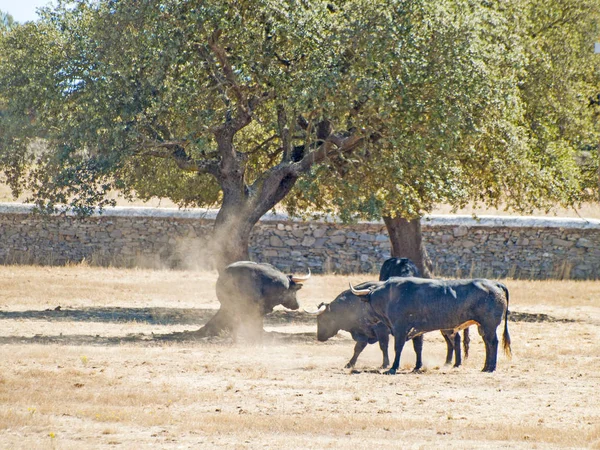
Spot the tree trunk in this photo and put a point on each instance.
(407, 242)
(230, 238)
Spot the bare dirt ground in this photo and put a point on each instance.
(108, 369)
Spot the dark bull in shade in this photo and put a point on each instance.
(398, 267)
(413, 306)
(247, 292)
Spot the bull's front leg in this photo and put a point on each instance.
(400, 336)
(358, 348)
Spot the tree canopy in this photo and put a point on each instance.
(366, 106)
(496, 108)
(130, 95)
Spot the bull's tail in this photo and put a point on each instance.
(506, 336)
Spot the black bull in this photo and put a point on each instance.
(398, 267)
(413, 306)
(247, 292)
(404, 267)
(347, 312)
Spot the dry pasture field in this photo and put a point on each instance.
(107, 370)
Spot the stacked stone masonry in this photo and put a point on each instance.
(459, 246)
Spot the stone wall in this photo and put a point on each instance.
(458, 245)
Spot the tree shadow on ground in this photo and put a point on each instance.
(514, 316)
(151, 339)
(175, 316)
(152, 316)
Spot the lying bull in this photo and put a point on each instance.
(413, 306)
(247, 292)
(404, 267)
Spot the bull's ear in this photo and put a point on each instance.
(295, 286)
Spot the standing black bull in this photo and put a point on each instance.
(404, 267)
(413, 306)
(347, 312)
(247, 292)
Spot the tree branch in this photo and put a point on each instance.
(174, 151)
(262, 145)
(335, 143)
(226, 66)
(562, 20)
(284, 132)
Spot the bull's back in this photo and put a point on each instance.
(437, 304)
(249, 281)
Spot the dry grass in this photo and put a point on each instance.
(70, 389)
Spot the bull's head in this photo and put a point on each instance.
(327, 322)
(289, 298)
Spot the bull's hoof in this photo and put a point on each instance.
(390, 372)
(488, 369)
(418, 370)
(384, 366)
(349, 366)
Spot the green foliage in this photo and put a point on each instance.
(115, 88)
(483, 109)
(451, 101)
(562, 77)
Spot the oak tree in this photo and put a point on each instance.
(223, 103)
(484, 117)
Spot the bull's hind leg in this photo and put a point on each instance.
(384, 340)
(418, 346)
(457, 351)
(491, 348)
(452, 347)
(449, 347)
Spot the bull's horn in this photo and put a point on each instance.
(300, 279)
(360, 292)
(318, 312)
